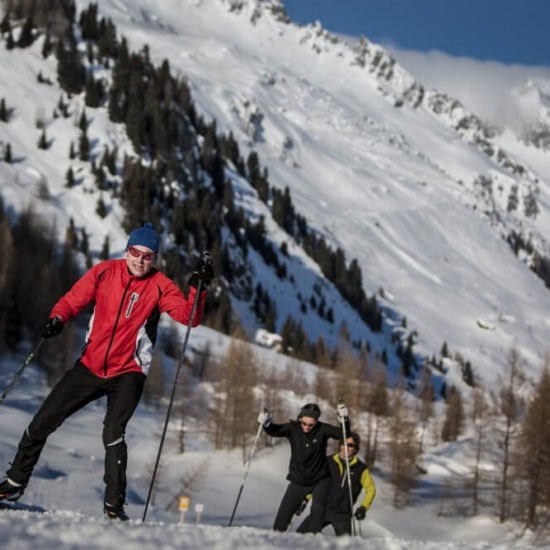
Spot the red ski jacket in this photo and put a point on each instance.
(123, 327)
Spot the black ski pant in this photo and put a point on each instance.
(77, 388)
(293, 497)
(341, 525)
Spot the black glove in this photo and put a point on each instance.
(203, 271)
(52, 328)
(360, 513)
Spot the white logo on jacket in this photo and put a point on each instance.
(134, 297)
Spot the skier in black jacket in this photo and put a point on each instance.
(308, 470)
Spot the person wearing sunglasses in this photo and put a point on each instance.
(338, 509)
(308, 471)
(129, 295)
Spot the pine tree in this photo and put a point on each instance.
(83, 121)
(6, 269)
(4, 115)
(71, 238)
(408, 358)
(83, 147)
(107, 44)
(101, 208)
(84, 246)
(69, 178)
(43, 140)
(105, 249)
(88, 23)
(93, 90)
(70, 71)
(10, 42)
(5, 25)
(63, 107)
(26, 36)
(47, 46)
(7, 154)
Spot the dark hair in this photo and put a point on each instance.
(356, 440)
(311, 410)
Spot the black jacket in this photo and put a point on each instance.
(308, 461)
(338, 503)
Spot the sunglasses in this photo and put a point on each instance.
(147, 256)
(307, 424)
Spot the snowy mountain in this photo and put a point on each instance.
(403, 178)
(446, 215)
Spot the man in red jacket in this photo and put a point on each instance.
(129, 296)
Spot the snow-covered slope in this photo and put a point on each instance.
(373, 161)
(62, 505)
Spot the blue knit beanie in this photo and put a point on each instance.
(145, 236)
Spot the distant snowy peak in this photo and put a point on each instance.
(534, 96)
(375, 59)
(533, 103)
(470, 127)
(256, 8)
(395, 83)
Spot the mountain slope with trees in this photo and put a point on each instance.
(98, 134)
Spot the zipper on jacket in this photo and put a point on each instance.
(114, 328)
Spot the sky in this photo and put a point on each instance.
(509, 31)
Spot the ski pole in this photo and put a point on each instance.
(20, 371)
(180, 364)
(348, 474)
(252, 451)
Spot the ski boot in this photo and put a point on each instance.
(115, 511)
(10, 490)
